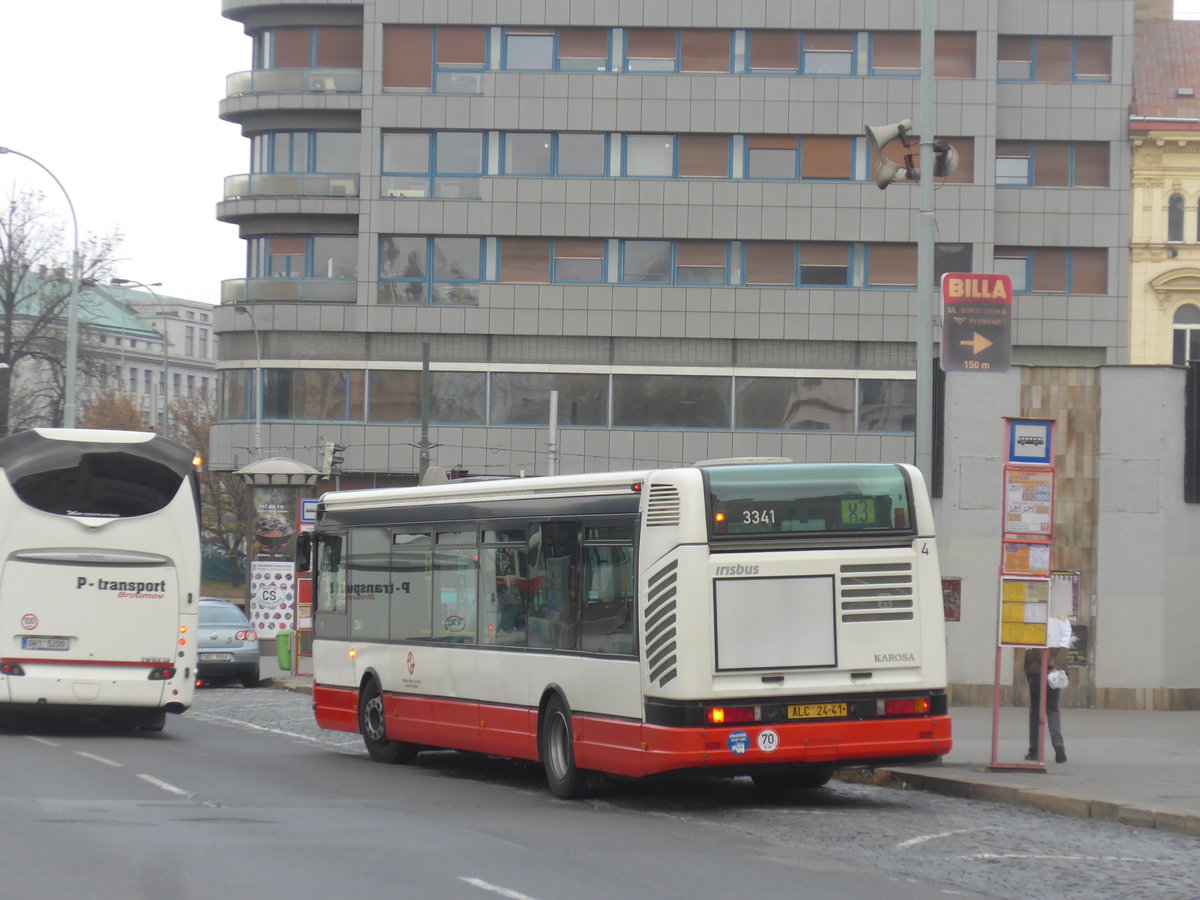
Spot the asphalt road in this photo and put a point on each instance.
(244, 794)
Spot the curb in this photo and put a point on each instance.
(282, 684)
(1064, 804)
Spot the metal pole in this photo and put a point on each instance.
(72, 303)
(926, 236)
(257, 383)
(424, 443)
(552, 436)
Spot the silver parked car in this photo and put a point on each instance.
(227, 646)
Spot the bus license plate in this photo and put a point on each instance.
(817, 711)
(216, 657)
(45, 643)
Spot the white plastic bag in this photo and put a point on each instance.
(1057, 679)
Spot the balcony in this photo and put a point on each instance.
(294, 81)
(293, 290)
(273, 184)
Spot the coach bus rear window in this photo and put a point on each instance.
(70, 479)
(809, 498)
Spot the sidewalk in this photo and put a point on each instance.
(1134, 767)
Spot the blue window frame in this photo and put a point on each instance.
(302, 256)
(651, 50)
(440, 270)
(443, 164)
(460, 55)
(827, 52)
(1053, 58)
(685, 263)
(649, 156)
(571, 155)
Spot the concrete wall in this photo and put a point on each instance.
(1120, 520)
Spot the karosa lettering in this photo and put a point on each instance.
(894, 657)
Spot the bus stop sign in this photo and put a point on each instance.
(976, 322)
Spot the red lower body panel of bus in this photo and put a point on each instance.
(633, 748)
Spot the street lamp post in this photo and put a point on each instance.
(73, 301)
(166, 344)
(257, 382)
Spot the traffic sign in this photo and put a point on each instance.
(976, 322)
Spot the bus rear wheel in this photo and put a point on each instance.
(372, 724)
(800, 779)
(558, 755)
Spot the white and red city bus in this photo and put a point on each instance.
(99, 574)
(765, 618)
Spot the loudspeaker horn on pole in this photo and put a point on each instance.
(882, 135)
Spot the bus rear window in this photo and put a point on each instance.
(74, 478)
(808, 498)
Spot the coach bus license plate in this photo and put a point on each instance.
(45, 643)
(817, 710)
(216, 657)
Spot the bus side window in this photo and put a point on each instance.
(553, 552)
(608, 601)
(329, 588)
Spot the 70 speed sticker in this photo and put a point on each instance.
(768, 740)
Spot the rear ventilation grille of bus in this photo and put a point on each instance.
(661, 644)
(878, 592)
(663, 505)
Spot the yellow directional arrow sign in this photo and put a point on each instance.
(978, 343)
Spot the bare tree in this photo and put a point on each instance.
(223, 496)
(35, 288)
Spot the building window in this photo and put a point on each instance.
(892, 265)
(448, 59)
(703, 156)
(887, 405)
(702, 50)
(301, 256)
(827, 52)
(1186, 335)
(177, 383)
(437, 270)
(1175, 218)
(671, 401)
(308, 48)
(191, 385)
(528, 51)
(1080, 270)
(1052, 164)
(132, 380)
(651, 49)
(546, 154)
(578, 260)
(794, 404)
(457, 163)
(304, 152)
(1059, 59)
(650, 155)
(774, 52)
(701, 262)
(773, 156)
(770, 263)
(646, 262)
(203, 343)
(523, 398)
(456, 398)
(824, 264)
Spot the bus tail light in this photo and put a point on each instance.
(729, 715)
(11, 669)
(907, 706)
(162, 673)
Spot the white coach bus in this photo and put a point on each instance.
(746, 617)
(99, 574)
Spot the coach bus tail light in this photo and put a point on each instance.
(162, 673)
(907, 706)
(729, 715)
(11, 669)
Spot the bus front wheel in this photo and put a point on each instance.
(558, 755)
(372, 724)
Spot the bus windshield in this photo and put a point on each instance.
(808, 498)
(81, 478)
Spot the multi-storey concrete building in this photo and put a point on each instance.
(665, 212)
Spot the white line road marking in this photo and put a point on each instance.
(1063, 857)
(252, 727)
(170, 788)
(495, 889)
(904, 845)
(107, 762)
(30, 737)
